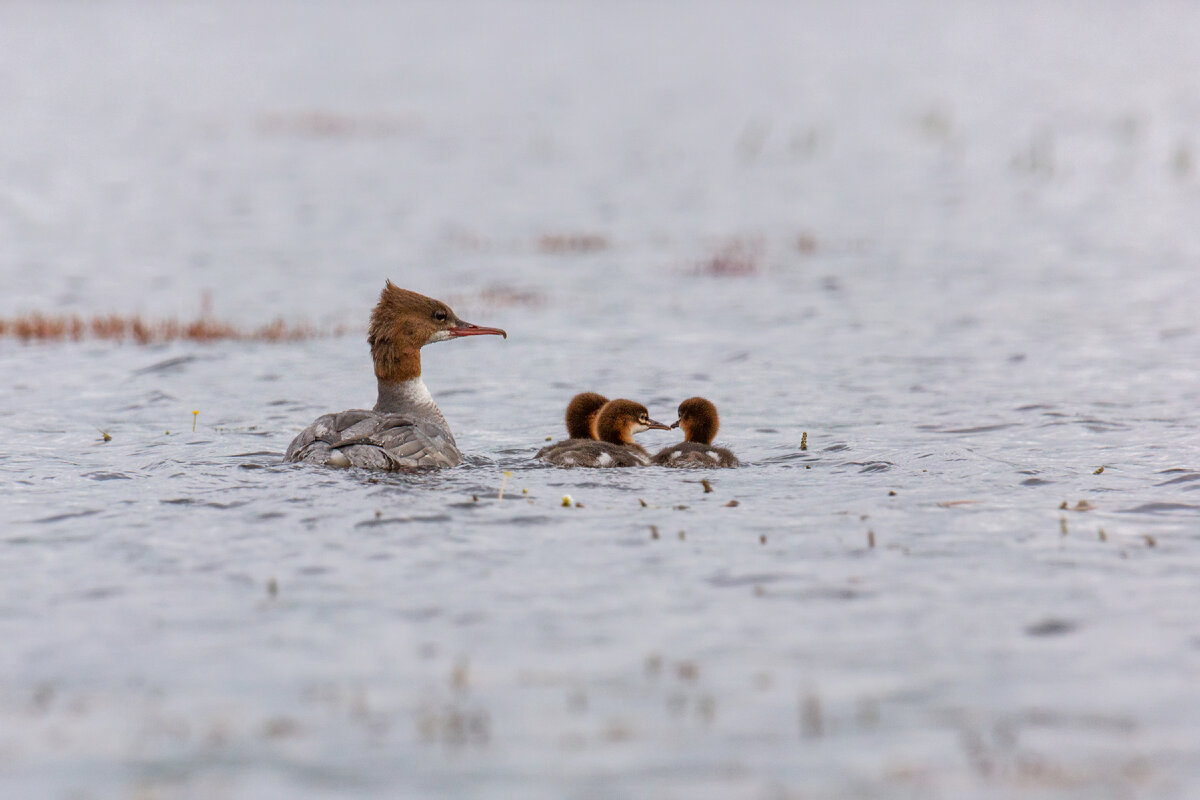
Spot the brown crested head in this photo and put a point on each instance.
(403, 322)
(620, 419)
(698, 420)
(582, 412)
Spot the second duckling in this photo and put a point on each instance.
(616, 425)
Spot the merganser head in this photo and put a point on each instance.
(619, 420)
(698, 420)
(403, 322)
(582, 412)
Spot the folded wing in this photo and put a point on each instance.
(361, 438)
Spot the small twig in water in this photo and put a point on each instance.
(503, 483)
(195, 414)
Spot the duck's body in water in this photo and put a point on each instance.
(616, 425)
(406, 429)
(699, 421)
(582, 412)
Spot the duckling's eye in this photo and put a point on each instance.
(439, 315)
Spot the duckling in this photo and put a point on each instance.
(581, 421)
(616, 424)
(699, 422)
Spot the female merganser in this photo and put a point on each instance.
(405, 430)
(581, 421)
(618, 421)
(699, 422)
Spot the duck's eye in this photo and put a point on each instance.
(439, 315)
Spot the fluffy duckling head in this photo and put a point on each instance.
(620, 419)
(698, 420)
(582, 412)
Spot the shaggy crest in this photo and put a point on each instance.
(401, 324)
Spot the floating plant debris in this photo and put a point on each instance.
(804, 440)
(572, 243)
(707, 486)
(331, 125)
(732, 504)
(1050, 627)
(1098, 470)
(736, 258)
(41, 327)
(871, 539)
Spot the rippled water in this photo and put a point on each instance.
(958, 248)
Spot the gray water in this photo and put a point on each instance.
(957, 246)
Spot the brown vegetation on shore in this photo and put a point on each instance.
(573, 243)
(37, 326)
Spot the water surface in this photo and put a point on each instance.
(956, 247)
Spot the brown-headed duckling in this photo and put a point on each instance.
(616, 425)
(699, 422)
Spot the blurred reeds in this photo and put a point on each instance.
(36, 326)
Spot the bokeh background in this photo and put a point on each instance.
(955, 244)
